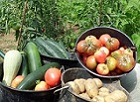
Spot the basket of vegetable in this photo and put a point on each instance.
(25, 79)
(84, 87)
(106, 52)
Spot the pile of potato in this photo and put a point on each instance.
(93, 89)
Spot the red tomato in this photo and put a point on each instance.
(84, 58)
(116, 54)
(125, 62)
(41, 86)
(93, 45)
(103, 38)
(112, 44)
(82, 46)
(102, 69)
(16, 81)
(91, 62)
(100, 56)
(90, 37)
(52, 76)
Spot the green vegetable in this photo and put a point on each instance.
(29, 81)
(52, 48)
(33, 56)
(47, 48)
(2, 54)
(12, 63)
(59, 48)
(41, 49)
(24, 65)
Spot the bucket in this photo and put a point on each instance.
(124, 39)
(8, 94)
(74, 73)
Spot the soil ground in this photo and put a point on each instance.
(7, 42)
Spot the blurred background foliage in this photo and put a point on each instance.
(65, 20)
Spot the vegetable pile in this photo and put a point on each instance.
(24, 70)
(93, 89)
(105, 55)
(51, 48)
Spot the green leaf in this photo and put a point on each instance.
(135, 38)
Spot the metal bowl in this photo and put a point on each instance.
(67, 95)
(98, 31)
(9, 94)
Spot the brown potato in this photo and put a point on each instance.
(80, 82)
(104, 89)
(98, 82)
(103, 94)
(116, 96)
(74, 87)
(84, 95)
(91, 88)
(98, 99)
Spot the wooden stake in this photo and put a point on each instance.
(23, 20)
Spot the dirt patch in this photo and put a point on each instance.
(7, 42)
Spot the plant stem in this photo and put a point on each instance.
(23, 20)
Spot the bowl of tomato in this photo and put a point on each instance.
(106, 52)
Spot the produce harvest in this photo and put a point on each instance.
(29, 81)
(105, 55)
(93, 90)
(24, 70)
(11, 66)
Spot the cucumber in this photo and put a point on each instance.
(58, 48)
(2, 54)
(29, 81)
(41, 49)
(33, 56)
(49, 49)
(24, 66)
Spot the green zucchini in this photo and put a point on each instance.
(49, 49)
(33, 56)
(24, 66)
(41, 49)
(2, 54)
(29, 81)
(58, 48)
(12, 63)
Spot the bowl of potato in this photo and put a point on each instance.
(106, 52)
(84, 87)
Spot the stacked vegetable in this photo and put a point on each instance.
(51, 48)
(93, 89)
(24, 70)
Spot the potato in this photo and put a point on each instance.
(103, 91)
(91, 88)
(98, 99)
(103, 94)
(98, 82)
(74, 87)
(116, 96)
(84, 95)
(80, 82)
